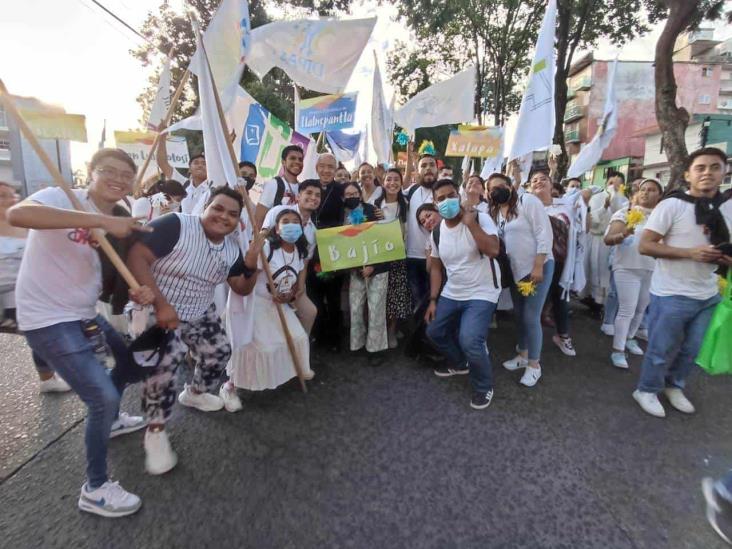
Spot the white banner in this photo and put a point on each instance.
(318, 54)
(162, 99)
(382, 122)
(535, 129)
(448, 102)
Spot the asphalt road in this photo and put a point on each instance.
(388, 456)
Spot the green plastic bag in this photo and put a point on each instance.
(715, 355)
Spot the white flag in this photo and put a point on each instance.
(162, 98)
(591, 154)
(535, 129)
(318, 54)
(227, 40)
(448, 102)
(218, 160)
(382, 123)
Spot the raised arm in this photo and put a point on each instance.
(161, 155)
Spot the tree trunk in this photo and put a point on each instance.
(672, 120)
(560, 85)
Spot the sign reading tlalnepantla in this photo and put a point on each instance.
(358, 245)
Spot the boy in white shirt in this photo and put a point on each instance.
(683, 233)
(460, 315)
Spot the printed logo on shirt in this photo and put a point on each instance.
(82, 236)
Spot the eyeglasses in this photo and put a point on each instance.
(112, 173)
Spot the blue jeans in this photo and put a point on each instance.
(69, 352)
(459, 332)
(528, 314)
(419, 281)
(611, 303)
(676, 326)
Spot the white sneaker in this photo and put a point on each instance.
(619, 360)
(232, 403)
(650, 403)
(109, 500)
(516, 363)
(126, 423)
(159, 455)
(206, 402)
(608, 329)
(642, 334)
(531, 376)
(565, 345)
(678, 400)
(633, 347)
(56, 384)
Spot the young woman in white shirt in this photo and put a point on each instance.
(266, 362)
(631, 270)
(370, 188)
(474, 190)
(525, 229)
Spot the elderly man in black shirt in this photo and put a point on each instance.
(325, 289)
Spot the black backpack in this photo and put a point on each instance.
(280, 192)
(501, 258)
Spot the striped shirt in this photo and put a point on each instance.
(189, 267)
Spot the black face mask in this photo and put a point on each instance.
(500, 195)
(250, 182)
(352, 203)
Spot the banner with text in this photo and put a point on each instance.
(358, 245)
(326, 113)
(137, 145)
(56, 125)
(475, 141)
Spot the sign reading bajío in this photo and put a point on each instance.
(358, 245)
(326, 113)
(475, 141)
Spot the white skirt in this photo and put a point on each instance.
(265, 362)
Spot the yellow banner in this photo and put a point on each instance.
(146, 138)
(51, 125)
(475, 141)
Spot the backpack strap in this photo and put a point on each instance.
(412, 190)
(280, 193)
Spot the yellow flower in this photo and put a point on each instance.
(621, 190)
(722, 284)
(526, 288)
(634, 218)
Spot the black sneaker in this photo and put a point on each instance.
(479, 401)
(444, 371)
(719, 510)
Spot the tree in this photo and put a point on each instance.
(493, 35)
(682, 15)
(580, 24)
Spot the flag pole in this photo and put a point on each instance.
(408, 169)
(59, 180)
(250, 212)
(165, 123)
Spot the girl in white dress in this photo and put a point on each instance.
(266, 362)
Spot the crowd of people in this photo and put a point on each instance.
(218, 287)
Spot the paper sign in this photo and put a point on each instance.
(475, 141)
(358, 245)
(326, 113)
(54, 125)
(137, 145)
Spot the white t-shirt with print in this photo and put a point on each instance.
(469, 274)
(675, 220)
(284, 266)
(308, 228)
(416, 235)
(60, 276)
(289, 198)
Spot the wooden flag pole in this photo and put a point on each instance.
(250, 212)
(408, 169)
(59, 180)
(165, 123)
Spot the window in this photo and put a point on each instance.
(707, 71)
(4, 145)
(3, 121)
(705, 99)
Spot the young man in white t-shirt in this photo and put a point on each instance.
(308, 202)
(58, 286)
(683, 233)
(460, 315)
(281, 190)
(196, 185)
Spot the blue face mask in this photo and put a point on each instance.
(291, 232)
(449, 208)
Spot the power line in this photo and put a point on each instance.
(110, 12)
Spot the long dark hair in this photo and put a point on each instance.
(494, 209)
(275, 240)
(168, 187)
(401, 199)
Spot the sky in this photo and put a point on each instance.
(70, 53)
